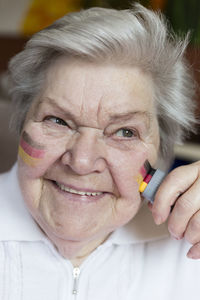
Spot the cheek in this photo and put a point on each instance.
(39, 169)
(125, 167)
(31, 169)
(35, 167)
(30, 188)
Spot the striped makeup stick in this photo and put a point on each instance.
(152, 178)
(30, 151)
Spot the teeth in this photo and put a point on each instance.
(66, 189)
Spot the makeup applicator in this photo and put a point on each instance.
(151, 181)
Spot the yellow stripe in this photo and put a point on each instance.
(139, 179)
(42, 13)
(31, 161)
(142, 187)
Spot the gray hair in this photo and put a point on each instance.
(136, 37)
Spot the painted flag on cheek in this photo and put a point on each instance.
(29, 151)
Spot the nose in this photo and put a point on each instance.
(86, 153)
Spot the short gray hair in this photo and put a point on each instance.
(136, 37)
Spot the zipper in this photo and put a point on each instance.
(76, 273)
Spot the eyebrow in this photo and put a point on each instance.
(53, 103)
(130, 115)
(118, 117)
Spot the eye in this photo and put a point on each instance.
(56, 120)
(126, 133)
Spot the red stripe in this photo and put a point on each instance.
(149, 175)
(143, 171)
(33, 152)
(148, 178)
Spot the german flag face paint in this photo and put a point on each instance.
(29, 151)
(145, 169)
(143, 172)
(147, 173)
(151, 180)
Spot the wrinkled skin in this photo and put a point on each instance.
(106, 128)
(97, 126)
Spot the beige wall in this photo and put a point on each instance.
(11, 15)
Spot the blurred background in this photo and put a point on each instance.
(19, 19)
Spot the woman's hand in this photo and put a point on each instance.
(181, 188)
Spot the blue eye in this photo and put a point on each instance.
(56, 120)
(126, 133)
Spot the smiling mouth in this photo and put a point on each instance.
(64, 188)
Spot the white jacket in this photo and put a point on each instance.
(139, 261)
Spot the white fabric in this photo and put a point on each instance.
(138, 261)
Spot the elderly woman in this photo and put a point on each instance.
(98, 96)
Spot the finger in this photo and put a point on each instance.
(194, 251)
(186, 207)
(176, 183)
(192, 233)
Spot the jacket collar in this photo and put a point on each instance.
(16, 223)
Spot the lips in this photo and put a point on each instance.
(77, 191)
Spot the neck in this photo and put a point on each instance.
(77, 252)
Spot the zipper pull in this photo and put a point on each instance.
(76, 273)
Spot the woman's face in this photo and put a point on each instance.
(84, 141)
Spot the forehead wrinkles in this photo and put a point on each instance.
(93, 96)
(118, 102)
(94, 93)
(95, 116)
